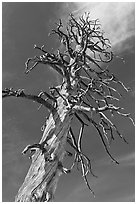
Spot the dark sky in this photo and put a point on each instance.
(26, 24)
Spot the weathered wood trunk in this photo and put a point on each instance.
(41, 181)
(87, 90)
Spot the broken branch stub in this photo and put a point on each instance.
(86, 91)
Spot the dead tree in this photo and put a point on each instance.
(86, 91)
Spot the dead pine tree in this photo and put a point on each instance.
(86, 91)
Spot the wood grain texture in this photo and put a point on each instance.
(41, 181)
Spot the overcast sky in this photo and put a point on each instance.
(26, 24)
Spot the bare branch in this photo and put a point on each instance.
(100, 134)
(86, 89)
(20, 93)
(113, 126)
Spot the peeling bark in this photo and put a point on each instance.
(85, 91)
(41, 181)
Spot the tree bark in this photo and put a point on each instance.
(41, 181)
(82, 84)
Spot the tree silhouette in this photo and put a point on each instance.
(86, 91)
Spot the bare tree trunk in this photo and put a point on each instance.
(41, 181)
(86, 90)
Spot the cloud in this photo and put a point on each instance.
(128, 159)
(117, 19)
(124, 160)
(114, 183)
